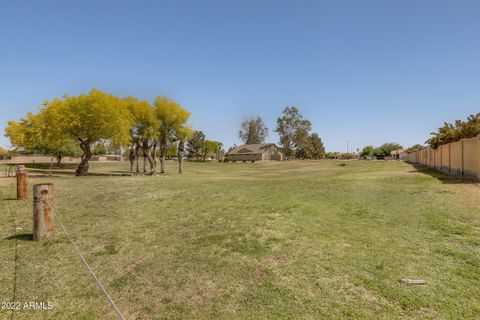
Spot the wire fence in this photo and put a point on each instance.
(89, 268)
(9, 170)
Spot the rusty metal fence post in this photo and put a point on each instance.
(42, 211)
(22, 182)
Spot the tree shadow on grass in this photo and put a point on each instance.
(441, 176)
(71, 166)
(21, 237)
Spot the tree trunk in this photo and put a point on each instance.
(144, 162)
(162, 158)
(152, 164)
(162, 163)
(137, 149)
(180, 152)
(51, 166)
(82, 169)
(59, 158)
(131, 157)
(155, 155)
(147, 153)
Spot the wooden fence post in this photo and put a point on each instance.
(42, 211)
(22, 182)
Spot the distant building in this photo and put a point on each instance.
(400, 154)
(255, 152)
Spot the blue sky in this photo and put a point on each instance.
(365, 71)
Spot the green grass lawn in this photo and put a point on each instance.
(291, 240)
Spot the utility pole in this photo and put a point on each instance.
(348, 142)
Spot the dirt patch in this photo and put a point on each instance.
(470, 191)
(275, 262)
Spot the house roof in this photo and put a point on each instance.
(251, 148)
(395, 152)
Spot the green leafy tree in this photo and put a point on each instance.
(24, 133)
(460, 129)
(54, 141)
(89, 118)
(172, 151)
(172, 117)
(302, 148)
(253, 131)
(220, 152)
(349, 156)
(40, 133)
(293, 130)
(100, 148)
(469, 128)
(183, 133)
(196, 144)
(315, 146)
(385, 149)
(330, 155)
(211, 148)
(3, 152)
(144, 132)
(414, 147)
(15, 132)
(367, 151)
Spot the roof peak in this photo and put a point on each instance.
(252, 148)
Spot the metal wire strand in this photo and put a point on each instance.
(119, 313)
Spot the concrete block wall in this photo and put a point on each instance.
(461, 158)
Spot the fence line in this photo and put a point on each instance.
(79, 253)
(461, 158)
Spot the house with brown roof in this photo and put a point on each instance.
(400, 154)
(255, 152)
